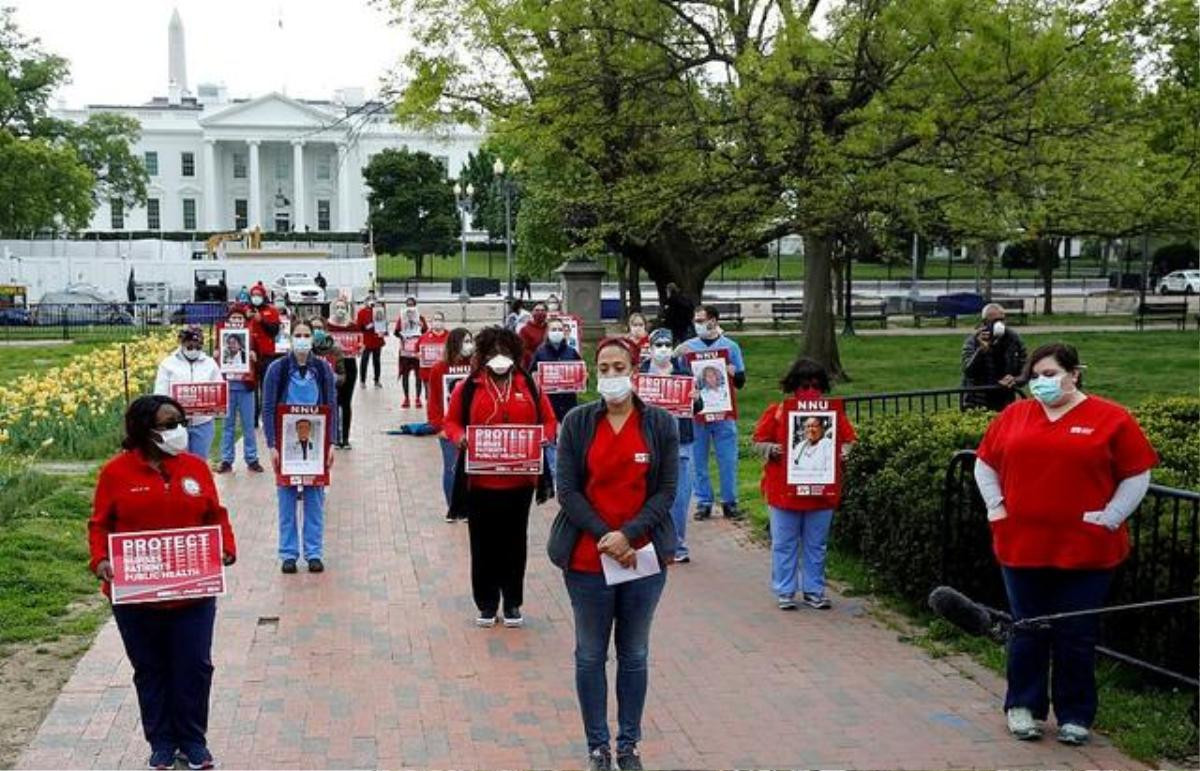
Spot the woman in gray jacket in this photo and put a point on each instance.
(618, 460)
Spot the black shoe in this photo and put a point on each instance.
(160, 759)
(224, 468)
(702, 513)
(289, 566)
(628, 759)
(732, 511)
(818, 601)
(315, 565)
(256, 467)
(600, 759)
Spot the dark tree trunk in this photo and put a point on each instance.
(838, 261)
(818, 339)
(924, 246)
(989, 267)
(635, 286)
(1047, 252)
(621, 262)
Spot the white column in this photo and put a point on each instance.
(255, 218)
(212, 177)
(344, 221)
(298, 193)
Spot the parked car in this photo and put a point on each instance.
(1180, 282)
(78, 306)
(298, 288)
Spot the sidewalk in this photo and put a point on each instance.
(377, 663)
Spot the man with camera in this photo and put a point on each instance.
(992, 355)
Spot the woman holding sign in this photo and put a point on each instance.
(341, 321)
(556, 349)
(493, 416)
(431, 347)
(618, 462)
(153, 484)
(803, 440)
(186, 365)
(300, 378)
(454, 365)
(410, 326)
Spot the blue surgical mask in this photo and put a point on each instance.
(302, 344)
(701, 329)
(1046, 390)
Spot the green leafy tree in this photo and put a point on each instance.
(412, 208)
(53, 172)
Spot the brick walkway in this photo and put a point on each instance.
(377, 663)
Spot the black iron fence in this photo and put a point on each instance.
(928, 400)
(1164, 563)
(101, 321)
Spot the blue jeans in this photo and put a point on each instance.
(170, 650)
(795, 534)
(550, 458)
(200, 438)
(722, 435)
(241, 406)
(683, 497)
(1060, 659)
(314, 522)
(449, 459)
(598, 608)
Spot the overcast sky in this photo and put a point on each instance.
(118, 48)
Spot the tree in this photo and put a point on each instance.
(412, 208)
(53, 172)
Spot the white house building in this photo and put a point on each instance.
(273, 162)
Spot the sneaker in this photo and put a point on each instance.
(682, 560)
(315, 565)
(450, 517)
(404, 405)
(818, 601)
(786, 602)
(378, 384)
(346, 446)
(224, 468)
(289, 566)
(1022, 725)
(418, 404)
(732, 511)
(199, 760)
(702, 512)
(600, 759)
(628, 759)
(1073, 734)
(256, 467)
(485, 621)
(160, 759)
(513, 618)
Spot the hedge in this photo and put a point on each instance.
(891, 517)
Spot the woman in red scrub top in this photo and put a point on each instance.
(1060, 474)
(618, 462)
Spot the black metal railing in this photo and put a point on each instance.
(1164, 562)
(928, 400)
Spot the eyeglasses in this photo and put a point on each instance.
(170, 425)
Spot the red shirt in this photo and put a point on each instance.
(489, 409)
(366, 324)
(1052, 473)
(532, 335)
(617, 465)
(773, 427)
(434, 415)
(131, 495)
(262, 342)
(431, 337)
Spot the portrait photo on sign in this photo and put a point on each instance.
(812, 448)
(303, 452)
(712, 385)
(234, 347)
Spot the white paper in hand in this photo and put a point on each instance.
(647, 565)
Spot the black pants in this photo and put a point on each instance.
(499, 530)
(345, 394)
(171, 653)
(373, 354)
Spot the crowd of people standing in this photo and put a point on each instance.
(625, 473)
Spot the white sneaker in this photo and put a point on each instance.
(1022, 725)
(485, 622)
(1073, 734)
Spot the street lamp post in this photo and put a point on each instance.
(915, 292)
(506, 187)
(464, 199)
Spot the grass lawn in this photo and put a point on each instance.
(17, 360)
(791, 268)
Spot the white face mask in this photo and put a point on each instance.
(191, 354)
(615, 389)
(438, 326)
(556, 336)
(468, 347)
(500, 364)
(173, 441)
(997, 330)
(256, 299)
(302, 344)
(661, 353)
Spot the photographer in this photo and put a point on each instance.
(992, 355)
